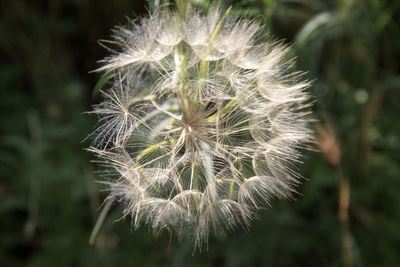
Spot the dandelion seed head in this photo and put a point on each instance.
(204, 123)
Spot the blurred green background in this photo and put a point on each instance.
(347, 212)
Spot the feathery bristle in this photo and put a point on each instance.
(203, 123)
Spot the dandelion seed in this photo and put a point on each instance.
(203, 124)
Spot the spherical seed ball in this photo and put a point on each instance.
(203, 123)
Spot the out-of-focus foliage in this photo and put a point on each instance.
(49, 199)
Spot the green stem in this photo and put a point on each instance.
(180, 5)
(233, 179)
(145, 152)
(225, 109)
(204, 62)
(149, 150)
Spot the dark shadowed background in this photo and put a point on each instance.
(347, 212)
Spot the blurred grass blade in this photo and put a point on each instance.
(100, 220)
(309, 29)
(102, 82)
(385, 16)
(316, 5)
